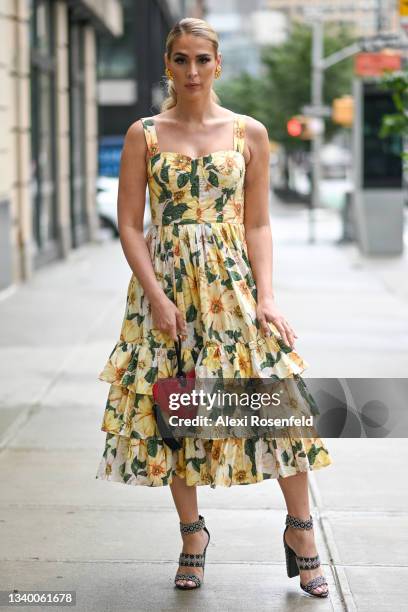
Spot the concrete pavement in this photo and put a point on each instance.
(116, 545)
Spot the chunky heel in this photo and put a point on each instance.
(291, 565)
(192, 560)
(294, 563)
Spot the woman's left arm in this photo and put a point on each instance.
(258, 232)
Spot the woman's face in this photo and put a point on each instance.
(192, 61)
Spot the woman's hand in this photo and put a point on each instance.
(167, 317)
(267, 310)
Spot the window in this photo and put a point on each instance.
(117, 56)
(44, 209)
(77, 132)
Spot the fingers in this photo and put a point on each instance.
(172, 332)
(173, 324)
(288, 336)
(181, 324)
(264, 325)
(286, 331)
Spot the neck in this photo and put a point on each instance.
(195, 113)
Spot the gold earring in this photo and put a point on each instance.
(169, 74)
(218, 72)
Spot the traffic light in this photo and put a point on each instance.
(343, 111)
(299, 126)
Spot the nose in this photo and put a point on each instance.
(192, 72)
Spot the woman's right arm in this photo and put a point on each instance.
(131, 205)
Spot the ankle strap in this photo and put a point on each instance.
(298, 523)
(192, 527)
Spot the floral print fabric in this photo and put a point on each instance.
(199, 253)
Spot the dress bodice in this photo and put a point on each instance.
(206, 189)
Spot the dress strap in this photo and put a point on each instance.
(239, 133)
(150, 133)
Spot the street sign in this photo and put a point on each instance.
(316, 111)
(381, 42)
(374, 64)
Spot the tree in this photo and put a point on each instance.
(396, 123)
(241, 94)
(286, 81)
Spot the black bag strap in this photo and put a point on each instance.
(165, 430)
(177, 344)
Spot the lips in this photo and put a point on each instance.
(193, 85)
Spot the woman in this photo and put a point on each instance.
(204, 271)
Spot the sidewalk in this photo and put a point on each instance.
(118, 545)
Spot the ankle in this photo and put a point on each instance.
(189, 519)
(301, 534)
(192, 526)
(192, 537)
(302, 519)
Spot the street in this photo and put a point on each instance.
(118, 546)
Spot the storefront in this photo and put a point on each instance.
(49, 129)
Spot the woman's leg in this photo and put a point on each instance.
(296, 494)
(185, 500)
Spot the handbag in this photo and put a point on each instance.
(162, 389)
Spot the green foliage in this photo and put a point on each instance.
(242, 94)
(396, 123)
(285, 85)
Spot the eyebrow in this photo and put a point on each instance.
(185, 54)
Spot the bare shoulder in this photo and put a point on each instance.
(254, 129)
(256, 137)
(135, 144)
(135, 134)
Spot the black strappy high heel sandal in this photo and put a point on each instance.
(194, 560)
(295, 563)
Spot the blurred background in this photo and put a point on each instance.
(329, 80)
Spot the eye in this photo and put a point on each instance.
(203, 60)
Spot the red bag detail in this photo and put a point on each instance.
(164, 387)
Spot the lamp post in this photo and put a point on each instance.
(317, 141)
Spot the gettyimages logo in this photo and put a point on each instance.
(295, 407)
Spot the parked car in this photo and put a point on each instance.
(106, 204)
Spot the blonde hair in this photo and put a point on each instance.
(196, 27)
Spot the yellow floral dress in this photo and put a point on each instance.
(199, 253)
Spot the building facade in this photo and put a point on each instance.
(368, 17)
(131, 68)
(242, 27)
(48, 129)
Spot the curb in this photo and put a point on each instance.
(345, 601)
